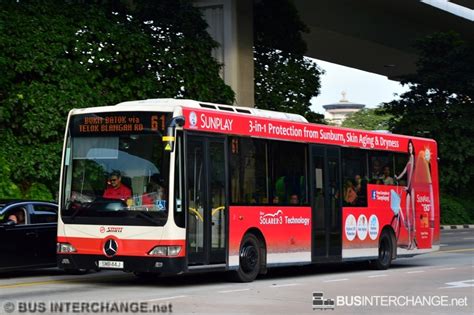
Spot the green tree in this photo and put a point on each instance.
(284, 79)
(440, 105)
(8, 189)
(58, 55)
(368, 119)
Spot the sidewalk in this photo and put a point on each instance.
(456, 227)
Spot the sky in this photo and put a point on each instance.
(360, 86)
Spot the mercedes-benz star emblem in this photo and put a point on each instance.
(110, 248)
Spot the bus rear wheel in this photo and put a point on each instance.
(384, 259)
(249, 259)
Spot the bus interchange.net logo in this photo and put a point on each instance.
(81, 307)
(320, 303)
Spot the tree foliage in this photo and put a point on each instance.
(368, 119)
(440, 105)
(284, 79)
(58, 55)
(8, 189)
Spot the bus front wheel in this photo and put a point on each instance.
(384, 259)
(249, 259)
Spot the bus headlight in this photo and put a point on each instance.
(174, 250)
(165, 251)
(65, 248)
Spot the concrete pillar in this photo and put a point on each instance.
(231, 25)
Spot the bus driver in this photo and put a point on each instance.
(115, 188)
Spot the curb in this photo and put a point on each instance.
(457, 227)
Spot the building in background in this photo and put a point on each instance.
(336, 113)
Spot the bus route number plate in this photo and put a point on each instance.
(110, 264)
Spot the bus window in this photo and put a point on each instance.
(354, 177)
(114, 173)
(381, 168)
(289, 172)
(248, 169)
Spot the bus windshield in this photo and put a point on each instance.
(116, 172)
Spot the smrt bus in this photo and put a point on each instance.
(174, 186)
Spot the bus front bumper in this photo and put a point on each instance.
(159, 265)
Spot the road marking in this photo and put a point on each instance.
(454, 251)
(230, 291)
(284, 285)
(377, 276)
(167, 298)
(336, 280)
(416, 271)
(468, 238)
(442, 269)
(460, 284)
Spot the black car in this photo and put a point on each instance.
(27, 234)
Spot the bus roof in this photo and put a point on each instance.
(168, 104)
(283, 124)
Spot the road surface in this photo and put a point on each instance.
(437, 283)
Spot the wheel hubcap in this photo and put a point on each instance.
(248, 258)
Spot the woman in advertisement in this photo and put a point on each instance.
(410, 195)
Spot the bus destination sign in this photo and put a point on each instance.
(118, 123)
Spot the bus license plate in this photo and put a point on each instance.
(110, 264)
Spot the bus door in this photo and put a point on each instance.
(326, 203)
(206, 199)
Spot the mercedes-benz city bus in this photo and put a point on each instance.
(173, 186)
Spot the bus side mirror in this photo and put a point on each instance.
(170, 137)
(177, 121)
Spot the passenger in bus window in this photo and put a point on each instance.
(151, 194)
(294, 199)
(350, 195)
(276, 200)
(376, 170)
(387, 179)
(161, 193)
(358, 183)
(115, 188)
(362, 193)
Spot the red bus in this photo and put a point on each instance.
(173, 186)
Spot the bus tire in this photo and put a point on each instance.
(385, 257)
(249, 259)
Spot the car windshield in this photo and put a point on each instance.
(115, 173)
